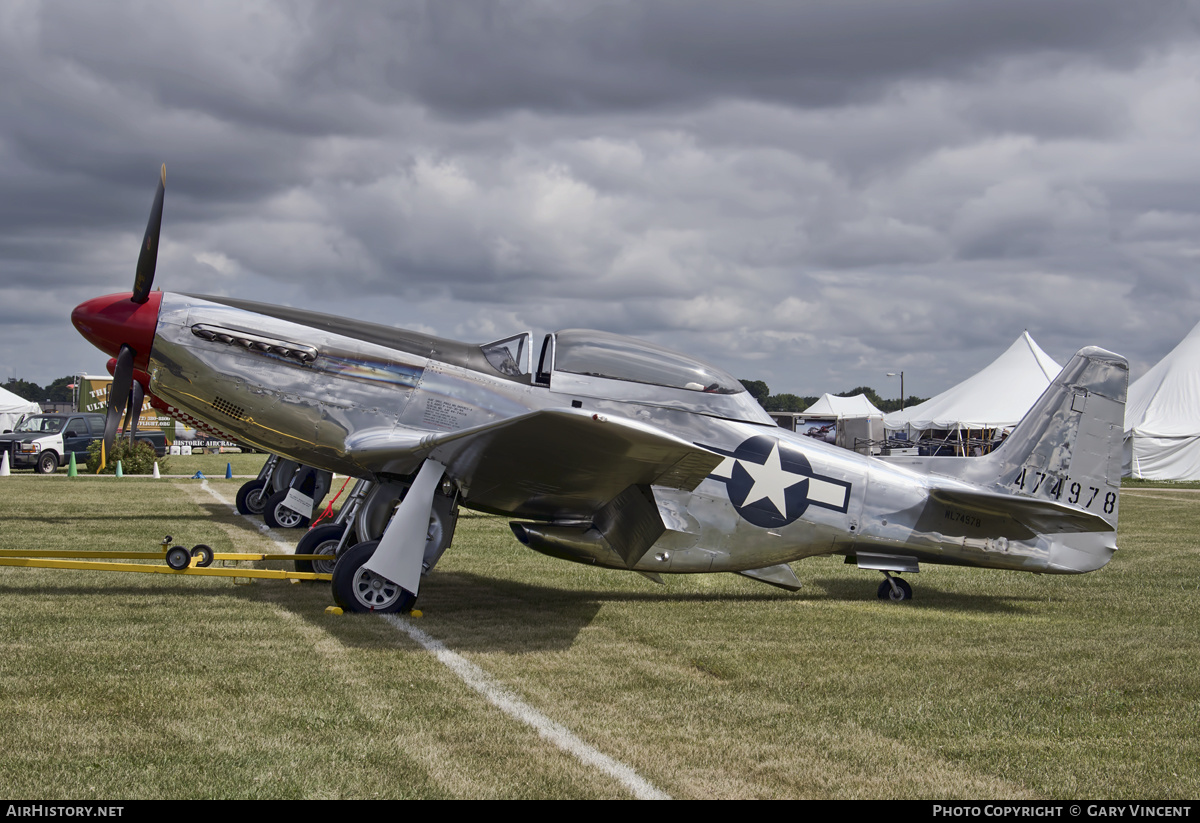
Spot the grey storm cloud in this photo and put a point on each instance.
(807, 193)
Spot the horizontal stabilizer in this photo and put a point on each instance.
(1044, 516)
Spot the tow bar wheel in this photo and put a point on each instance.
(204, 553)
(178, 558)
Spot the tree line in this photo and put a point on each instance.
(57, 392)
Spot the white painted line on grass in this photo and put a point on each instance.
(510, 704)
(262, 527)
(506, 701)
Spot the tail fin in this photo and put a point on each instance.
(1057, 478)
(1068, 448)
(1058, 475)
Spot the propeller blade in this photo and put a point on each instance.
(128, 414)
(148, 259)
(135, 407)
(118, 394)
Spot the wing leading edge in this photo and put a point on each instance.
(560, 463)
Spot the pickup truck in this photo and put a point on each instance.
(45, 441)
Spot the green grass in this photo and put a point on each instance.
(1143, 483)
(213, 465)
(988, 684)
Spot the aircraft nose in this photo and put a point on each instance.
(110, 321)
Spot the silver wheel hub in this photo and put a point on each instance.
(375, 592)
(286, 517)
(329, 549)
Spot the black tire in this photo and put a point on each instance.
(250, 497)
(322, 539)
(47, 463)
(886, 593)
(178, 558)
(278, 516)
(204, 553)
(357, 590)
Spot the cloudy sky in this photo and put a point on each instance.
(806, 193)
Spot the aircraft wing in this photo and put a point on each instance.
(1044, 516)
(557, 462)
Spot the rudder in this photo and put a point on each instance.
(1068, 447)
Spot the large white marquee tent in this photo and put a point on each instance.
(12, 407)
(995, 398)
(1162, 417)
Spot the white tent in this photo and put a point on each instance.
(995, 398)
(840, 407)
(12, 407)
(1162, 416)
(858, 422)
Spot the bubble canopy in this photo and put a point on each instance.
(600, 354)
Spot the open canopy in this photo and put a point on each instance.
(997, 397)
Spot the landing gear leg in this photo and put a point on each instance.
(396, 563)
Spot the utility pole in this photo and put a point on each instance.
(901, 376)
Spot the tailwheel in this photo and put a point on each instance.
(356, 589)
(895, 589)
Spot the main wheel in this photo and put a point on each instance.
(321, 539)
(357, 590)
(887, 593)
(250, 497)
(278, 516)
(47, 463)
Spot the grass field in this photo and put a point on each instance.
(988, 684)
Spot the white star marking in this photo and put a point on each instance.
(725, 470)
(770, 481)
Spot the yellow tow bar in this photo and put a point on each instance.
(179, 560)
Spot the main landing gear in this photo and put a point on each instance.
(384, 574)
(357, 589)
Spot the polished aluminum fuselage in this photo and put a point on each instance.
(303, 386)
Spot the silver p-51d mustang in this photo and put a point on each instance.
(607, 450)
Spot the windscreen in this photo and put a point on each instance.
(39, 423)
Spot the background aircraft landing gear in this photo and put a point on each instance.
(323, 539)
(279, 516)
(356, 589)
(894, 589)
(250, 497)
(363, 517)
